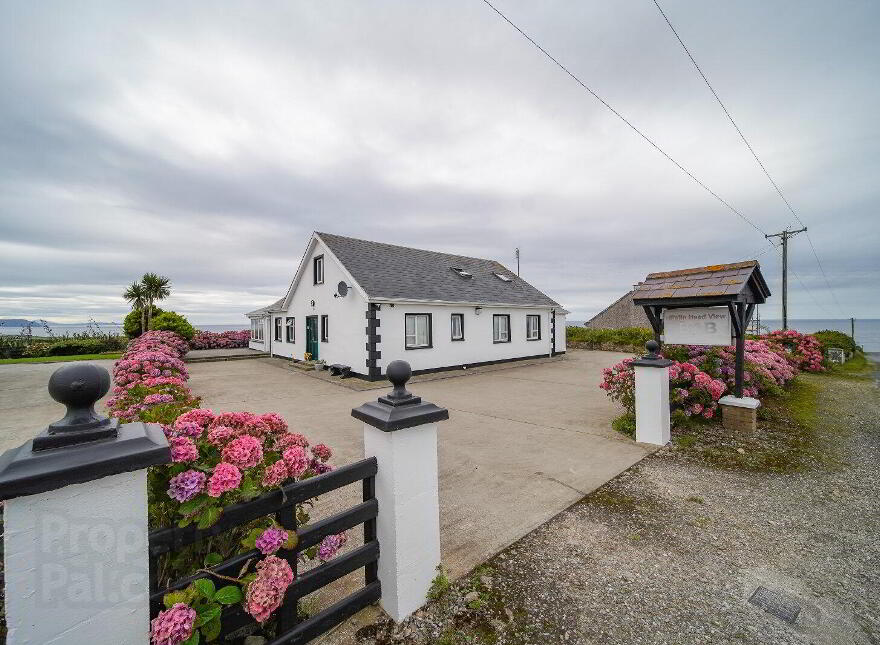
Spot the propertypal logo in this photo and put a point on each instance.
(85, 559)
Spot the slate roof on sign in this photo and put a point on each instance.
(403, 273)
(725, 280)
(275, 306)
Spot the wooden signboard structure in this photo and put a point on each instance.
(700, 298)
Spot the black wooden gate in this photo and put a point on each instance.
(235, 620)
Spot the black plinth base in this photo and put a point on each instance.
(398, 416)
(24, 471)
(52, 438)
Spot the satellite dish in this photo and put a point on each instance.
(342, 289)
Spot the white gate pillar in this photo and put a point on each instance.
(652, 397)
(400, 430)
(75, 522)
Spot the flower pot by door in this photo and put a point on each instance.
(312, 336)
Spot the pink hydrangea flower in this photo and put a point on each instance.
(275, 423)
(199, 416)
(265, 594)
(244, 452)
(225, 477)
(289, 440)
(271, 540)
(321, 452)
(183, 450)
(275, 474)
(173, 626)
(297, 461)
(220, 435)
(156, 399)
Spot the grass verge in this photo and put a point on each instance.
(60, 359)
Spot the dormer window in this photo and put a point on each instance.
(502, 277)
(462, 272)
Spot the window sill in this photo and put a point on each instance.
(419, 347)
(455, 340)
(533, 339)
(500, 342)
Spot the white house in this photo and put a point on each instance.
(364, 304)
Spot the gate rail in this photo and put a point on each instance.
(282, 503)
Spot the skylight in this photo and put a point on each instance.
(503, 278)
(462, 272)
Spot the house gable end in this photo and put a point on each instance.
(306, 262)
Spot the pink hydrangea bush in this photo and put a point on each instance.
(217, 459)
(160, 341)
(692, 392)
(220, 340)
(803, 351)
(764, 370)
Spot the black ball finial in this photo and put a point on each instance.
(399, 372)
(652, 346)
(79, 387)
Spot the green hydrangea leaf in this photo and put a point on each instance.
(228, 595)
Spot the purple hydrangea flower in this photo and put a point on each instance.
(186, 485)
(271, 540)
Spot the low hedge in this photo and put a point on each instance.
(830, 338)
(627, 338)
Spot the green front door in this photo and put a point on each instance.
(312, 336)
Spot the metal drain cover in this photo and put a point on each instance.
(776, 603)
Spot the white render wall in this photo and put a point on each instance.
(77, 560)
(477, 346)
(347, 316)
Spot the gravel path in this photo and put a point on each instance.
(671, 551)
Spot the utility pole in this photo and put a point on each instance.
(785, 235)
(517, 261)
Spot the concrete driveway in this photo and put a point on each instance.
(521, 444)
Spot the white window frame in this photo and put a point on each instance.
(325, 328)
(290, 329)
(500, 335)
(257, 330)
(460, 318)
(417, 336)
(278, 326)
(536, 318)
(318, 268)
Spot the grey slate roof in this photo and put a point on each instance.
(403, 273)
(275, 306)
(718, 281)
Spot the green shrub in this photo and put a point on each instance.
(75, 346)
(132, 323)
(830, 338)
(173, 321)
(630, 337)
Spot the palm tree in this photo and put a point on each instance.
(136, 295)
(157, 287)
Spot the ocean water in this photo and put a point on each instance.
(110, 328)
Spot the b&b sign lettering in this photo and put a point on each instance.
(697, 326)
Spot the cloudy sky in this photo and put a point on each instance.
(205, 141)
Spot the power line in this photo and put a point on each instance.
(752, 150)
(623, 118)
